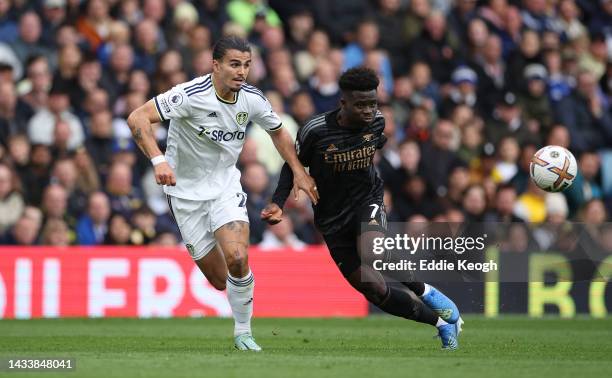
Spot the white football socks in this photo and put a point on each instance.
(240, 297)
(441, 322)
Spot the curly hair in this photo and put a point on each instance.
(359, 79)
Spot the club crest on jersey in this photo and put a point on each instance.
(242, 117)
(368, 137)
(176, 99)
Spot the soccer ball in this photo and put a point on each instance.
(553, 168)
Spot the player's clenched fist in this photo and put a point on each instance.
(272, 213)
(164, 174)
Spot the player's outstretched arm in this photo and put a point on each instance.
(301, 180)
(140, 121)
(274, 211)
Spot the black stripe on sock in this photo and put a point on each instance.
(241, 283)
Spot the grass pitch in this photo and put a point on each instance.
(371, 347)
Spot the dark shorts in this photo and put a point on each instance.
(343, 245)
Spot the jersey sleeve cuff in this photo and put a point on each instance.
(158, 109)
(276, 128)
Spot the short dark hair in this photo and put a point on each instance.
(229, 42)
(5, 67)
(359, 79)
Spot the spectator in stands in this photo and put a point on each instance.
(23, 233)
(586, 115)
(367, 40)
(458, 182)
(255, 182)
(437, 46)
(503, 206)
(11, 201)
(305, 61)
(119, 231)
(185, 19)
(531, 206)
(425, 89)
(491, 70)
(14, 113)
(144, 221)
(55, 233)
(245, 12)
(558, 136)
(39, 78)
(92, 227)
(94, 26)
(323, 87)
(463, 91)
(165, 239)
(414, 21)
(474, 203)
(280, 236)
(36, 175)
(596, 58)
(438, 159)
(55, 202)
(117, 74)
(389, 19)
(199, 41)
(19, 152)
(534, 101)
(508, 154)
(302, 107)
(569, 21)
(272, 161)
(42, 124)
(8, 27)
(29, 42)
(69, 60)
(507, 120)
(527, 53)
(586, 186)
(124, 198)
(594, 212)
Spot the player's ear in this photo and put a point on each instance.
(216, 65)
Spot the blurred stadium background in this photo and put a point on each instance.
(469, 89)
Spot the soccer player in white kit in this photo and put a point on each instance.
(208, 118)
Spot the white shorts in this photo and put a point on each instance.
(198, 220)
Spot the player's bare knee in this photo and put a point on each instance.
(237, 261)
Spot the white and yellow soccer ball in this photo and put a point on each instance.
(553, 168)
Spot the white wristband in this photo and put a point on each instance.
(158, 160)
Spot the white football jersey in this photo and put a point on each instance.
(206, 135)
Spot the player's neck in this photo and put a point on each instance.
(343, 122)
(341, 118)
(221, 91)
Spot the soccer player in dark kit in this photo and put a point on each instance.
(339, 148)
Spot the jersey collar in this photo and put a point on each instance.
(221, 99)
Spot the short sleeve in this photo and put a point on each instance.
(264, 116)
(173, 104)
(304, 147)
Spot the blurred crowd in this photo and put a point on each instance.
(469, 90)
